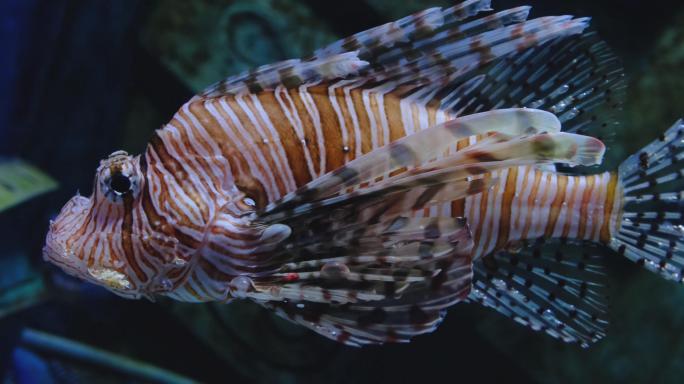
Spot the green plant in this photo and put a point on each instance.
(20, 181)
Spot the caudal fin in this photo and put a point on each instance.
(651, 231)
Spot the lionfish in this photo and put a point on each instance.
(367, 188)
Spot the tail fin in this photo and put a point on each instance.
(651, 232)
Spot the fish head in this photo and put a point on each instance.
(99, 238)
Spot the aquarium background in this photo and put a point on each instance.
(80, 79)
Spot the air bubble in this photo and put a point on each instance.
(562, 105)
(584, 94)
(548, 314)
(672, 273)
(536, 103)
(571, 114)
(242, 285)
(499, 284)
(334, 270)
(488, 302)
(166, 284)
(517, 295)
(651, 265)
(561, 90)
(177, 261)
(535, 325)
(478, 294)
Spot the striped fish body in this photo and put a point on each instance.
(364, 190)
(527, 204)
(276, 142)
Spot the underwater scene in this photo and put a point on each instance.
(367, 191)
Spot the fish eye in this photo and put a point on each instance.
(120, 183)
(118, 177)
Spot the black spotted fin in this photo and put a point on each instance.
(550, 286)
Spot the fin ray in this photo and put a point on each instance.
(554, 287)
(435, 46)
(652, 225)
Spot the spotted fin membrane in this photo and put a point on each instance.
(548, 285)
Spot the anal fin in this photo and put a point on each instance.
(548, 286)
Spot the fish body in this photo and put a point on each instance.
(364, 190)
(274, 144)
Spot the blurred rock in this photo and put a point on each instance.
(207, 40)
(658, 92)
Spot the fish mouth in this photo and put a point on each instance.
(58, 252)
(61, 229)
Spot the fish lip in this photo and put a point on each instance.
(55, 249)
(57, 252)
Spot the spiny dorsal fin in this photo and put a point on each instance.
(548, 286)
(434, 46)
(578, 78)
(412, 28)
(354, 52)
(290, 73)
